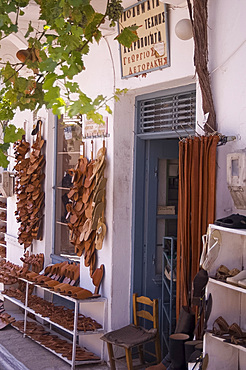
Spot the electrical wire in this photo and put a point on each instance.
(230, 56)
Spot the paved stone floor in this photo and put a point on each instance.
(18, 353)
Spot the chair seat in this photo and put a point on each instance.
(129, 336)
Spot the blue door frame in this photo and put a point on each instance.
(147, 155)
(148, 149)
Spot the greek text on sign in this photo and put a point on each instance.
(92, 129)
(151, 50)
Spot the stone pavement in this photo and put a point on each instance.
(18, 353)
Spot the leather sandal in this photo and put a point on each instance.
(97, 277)
(100, 234)
(82, 294)
(220, 328)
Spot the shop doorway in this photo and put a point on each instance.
(162, 119)
(156, 213)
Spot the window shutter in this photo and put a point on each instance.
(170, 114)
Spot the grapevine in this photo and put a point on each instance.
(114, 10)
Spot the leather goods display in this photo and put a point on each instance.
(63, 272)
(229, 333)
(33, 262)
(53, 342)
(234, 221)
(30, 196)
(9, 272)
(64, 278)
(2, 240)
(85, 210)
(5, 320)
(2, 251)
(58, 314)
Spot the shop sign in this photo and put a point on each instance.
(92, 129)
(151, 50)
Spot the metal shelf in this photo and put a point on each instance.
(168, 293)
(227, 285)
(14, 300)
(76, 363)
(45, 318)
(73, 332)
(236, 346)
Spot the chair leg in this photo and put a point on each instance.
(141, 355)
(129, 358)
(111, 356)
(158, 350)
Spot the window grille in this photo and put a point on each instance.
(168, 114)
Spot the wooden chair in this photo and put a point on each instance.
(133, 335)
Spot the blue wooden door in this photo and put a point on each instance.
(155, 210)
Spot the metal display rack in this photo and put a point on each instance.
(3, 222)
(229, 301)
(168, 317)
(74, 333)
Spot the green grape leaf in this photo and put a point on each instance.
(108, 109)
(128, 36)
(59, 107)
(12, 133)
(49, 81)
(6, 111)
(52, 95)
(8, 72)
(74, 109)
(95, 116)
(48, 65)
(3, 160)
(60, 22)
(4, 147)
(29, 30)
(72, 86)
(99, 99)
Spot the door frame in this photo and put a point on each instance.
(138, 194)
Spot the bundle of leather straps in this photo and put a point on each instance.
(86, 207)
(30, 196)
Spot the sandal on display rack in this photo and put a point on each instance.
(211, 247)
(223, 273)
(230, 333)
(234, 280)
(234, 221)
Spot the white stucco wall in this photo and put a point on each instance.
(227, 55)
